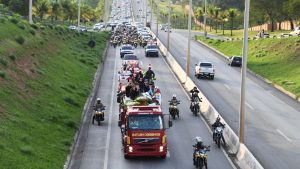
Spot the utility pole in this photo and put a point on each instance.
(30, 12)
(78, 15)
(146, 12)
(205, 6)
(243, 74)
(169, 26)
(157, 19)
(189, 41)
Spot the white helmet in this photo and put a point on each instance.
(198, 139)
(174, 95)
(98, 99)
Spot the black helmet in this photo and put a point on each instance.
(195, 88)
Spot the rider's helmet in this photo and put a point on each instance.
(198, 139)
(98, 100)
(174, 96)
(195, 88)
(218, 119)
(149, 66)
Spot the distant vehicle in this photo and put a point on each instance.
(205, 69)
(130, 59)
(295, 32)
(98, 26)
(162, 27)
(72, 27)
(167, 29)
(235, 61)
(82, 28)
(126, 49)
(151, 50)
(262, 35)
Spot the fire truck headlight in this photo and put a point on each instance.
(130, 149)
(161, 148)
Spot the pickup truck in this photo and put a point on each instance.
(126, 49)
(151, 50)
(205, 69)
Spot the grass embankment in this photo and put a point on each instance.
(275, 59)
(46, 74)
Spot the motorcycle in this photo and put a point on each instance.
(173, 109)
(98, 115)
(201, 157)
(115, 43)
(218, 134)
(195, 106)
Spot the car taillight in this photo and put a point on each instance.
(128, 139)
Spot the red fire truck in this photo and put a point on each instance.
(143, 132)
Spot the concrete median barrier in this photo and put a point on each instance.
(244, 158)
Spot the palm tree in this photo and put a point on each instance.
(232, 13)
(216, 16)
(223, 17)
(41, 8)
(66, 8)
(210, 15)
(55, 9)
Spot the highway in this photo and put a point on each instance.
(103, 145)
(272, 118)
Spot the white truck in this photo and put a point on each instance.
(204, 69)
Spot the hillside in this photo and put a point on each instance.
(46, 74)
(275, 59)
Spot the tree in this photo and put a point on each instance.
(19, 6)
(232, 13)
(292, 7)
(55, 9)
(41, 8)
(198, 13)
(216, 16)
(223, 18)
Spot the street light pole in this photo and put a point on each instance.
(30, 12)
(243, 74)
(157, 20)
(205, 6)
(78, 15)
(146, 12)
(169, 25)
(189, 41)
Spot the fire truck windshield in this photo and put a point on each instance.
(145, 122)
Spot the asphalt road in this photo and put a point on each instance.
(103, 145)
(272, 118)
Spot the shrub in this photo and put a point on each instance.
(27, 150)
(21, 26)
(3, 74)
(67, 143)
(3, 20)
(32, 32)
(71, 101)
(3, 62)
(20, 39)
(34, 26)
(71, 124)
(12, 57)
(14, 20)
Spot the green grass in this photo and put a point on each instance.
(164, 7)
(43, 93)
(275, 59)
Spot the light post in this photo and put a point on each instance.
(146, 12)
(243, 73)
(169, 26)
(30, 12)
(78, 15)
(189, 41)
(205, 6)
(157, 19)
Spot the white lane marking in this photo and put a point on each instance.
(110, 117)
(249, 106)
(227, 86)
(209, 129)
(286, 137)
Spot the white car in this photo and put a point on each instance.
(295, 32)
(72, 27)
(98, 26)
(204, 69)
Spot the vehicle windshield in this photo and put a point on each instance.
(127, 48)
(130, 57)
(237, 58)
(206, 65)
(145, 122)
(152, 47)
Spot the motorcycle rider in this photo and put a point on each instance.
(98, 105)
(199, 145)
(216, 124)
(149, 74)
(173, 101)
(139, 75)
(194, 92)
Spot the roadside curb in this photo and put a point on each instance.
(77, 148)
(280, 88)
(243, 157)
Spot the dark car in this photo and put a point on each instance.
(151, 50)
(235, 61)
(126, 49)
